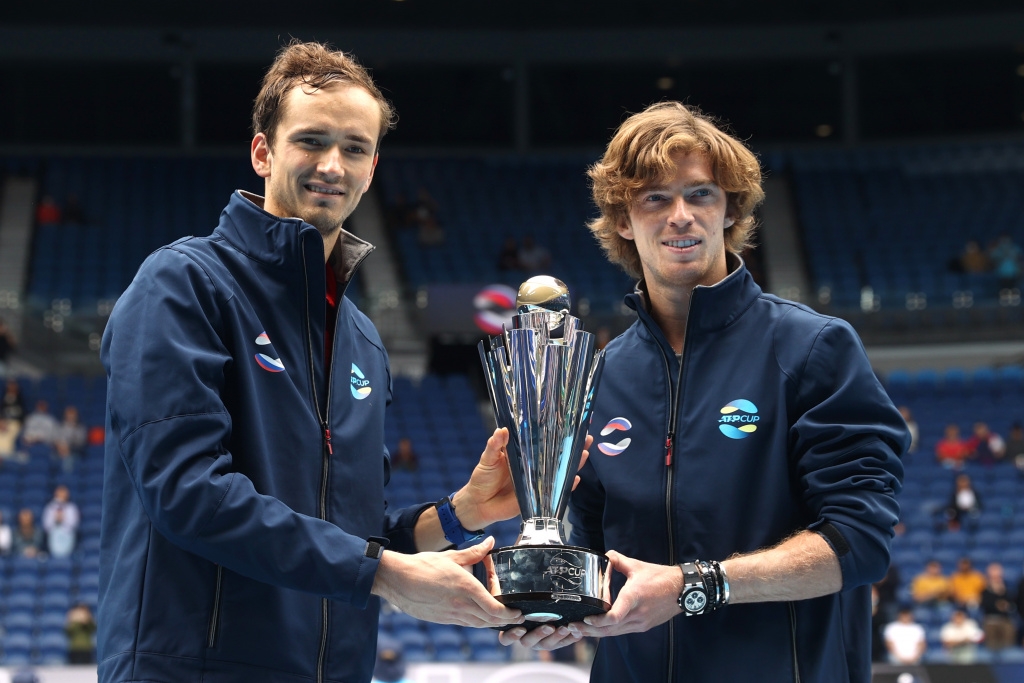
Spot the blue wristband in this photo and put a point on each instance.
(454, 532)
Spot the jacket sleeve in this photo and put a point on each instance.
(166, 365)
(846, 442)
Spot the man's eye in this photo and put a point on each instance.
(355, 149)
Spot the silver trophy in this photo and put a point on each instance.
(541, 376)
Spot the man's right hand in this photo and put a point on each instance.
(439, 587)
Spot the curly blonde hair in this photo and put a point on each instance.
(640, 154)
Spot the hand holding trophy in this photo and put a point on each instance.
(541, 377)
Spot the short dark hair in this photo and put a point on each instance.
(313, 65)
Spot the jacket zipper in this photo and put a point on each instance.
(792, 634)
(676, 393)
(212, 635)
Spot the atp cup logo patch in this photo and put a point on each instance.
(360, 385)
(739, 419)
(619, 424)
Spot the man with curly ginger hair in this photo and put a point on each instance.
(746, 460)
(245, 535)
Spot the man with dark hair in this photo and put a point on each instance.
(747, 459)
(244, 528)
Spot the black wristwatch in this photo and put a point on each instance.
(693, 599)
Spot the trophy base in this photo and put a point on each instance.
(550, 584)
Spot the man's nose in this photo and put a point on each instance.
(330, 163)
(680, 213)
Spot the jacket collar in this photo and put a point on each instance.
(280, 241)
(711, 307)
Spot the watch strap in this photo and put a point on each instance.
(454, 532)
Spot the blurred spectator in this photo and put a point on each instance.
(973, 258)
(915, 433)
(508, 257)
(40, 426)
(8, 344)
(930, 587)
(960, 636)
(71, 437)
(405, 457)
(1006, 261)
(73, 212)
(390, 666)
(601, 337)
(886, 590)
(28, 537)
(47, 211)
(997, 610)
(6, 537)
(532, 256)
(60, 537)
(966, 584)
(398, 215)
(80, 628)
(987, 447)
(905, 639)
(424, 216)
(951, 450)
(60, 522)
(965, 506)
(9, 430)
(1015, 446)
(13, 401)
(879, 652)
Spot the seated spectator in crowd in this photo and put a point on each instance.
(508, 257)
(966, 584)
(7, 346)
(987, 447)
(74, 214)
(1006, 261)
(424, 216)
(47, 212)
(905, 639)
(28, 537)
(6, 536)
(60, 536)
(973, 258)
(960, 636)
(930, 587)
(390, 665)
(879, 651)
(13, 401)
(80, 628)
(997, 609)
(915, 433)
(40, 426)
(61, 504)
(965, 505)
(404, 457)
(886, 590)
(533, 257)
(71, 437)
(1015, 446)
(9, 430)
(951, 450)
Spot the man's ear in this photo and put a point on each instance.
(624, 229)
(369, 178)
(260, 154)
(729, 221)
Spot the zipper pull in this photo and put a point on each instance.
(327, 434)
(668, 451)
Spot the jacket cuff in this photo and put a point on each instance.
(863, 557)
(367, 572)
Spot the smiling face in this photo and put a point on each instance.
(678, 225)
(323, 155)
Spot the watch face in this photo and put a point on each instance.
(695, 600)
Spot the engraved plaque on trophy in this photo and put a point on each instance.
(541, 376)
